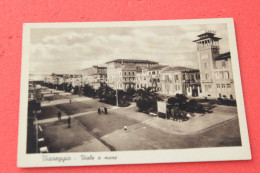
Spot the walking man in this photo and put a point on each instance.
(125, 127)
(59, 115)
(69, 121)
(99, 111)
(105, 110)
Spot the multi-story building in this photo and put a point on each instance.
(94, 73)
(215, 68)
(180, 80)
(58, 79)
(98, 80)
(75, 80)
(121, 73)
(150, 77)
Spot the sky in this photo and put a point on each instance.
(69, 50)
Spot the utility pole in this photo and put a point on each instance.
(165, 91)
(116, 97)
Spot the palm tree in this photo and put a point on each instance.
(146, 99)
(106, 93)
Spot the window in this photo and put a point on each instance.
(176, 78)
(223, 86)
(129, 73)
(133, 73)
(125, 73)
(226, 75)
(216, 74)
(183, 76)
(167, 78)
(206, 76)
(192, 77)
(205, 65)
(228, 86)
(153, 72)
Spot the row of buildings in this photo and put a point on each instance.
(213, 78)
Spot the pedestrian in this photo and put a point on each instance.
(99, 111)
(70, 101)
(69, 121)
(125, 127)
(105, 109)
(59, 115)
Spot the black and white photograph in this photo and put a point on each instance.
(131, 92)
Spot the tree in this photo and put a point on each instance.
(146, 99)
(129, 94)
(107, 94)
(76, 90)
(89, 91)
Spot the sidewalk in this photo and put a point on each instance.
(193, 125)
(62, 101)
(65, 116)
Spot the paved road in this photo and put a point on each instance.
(105, 132)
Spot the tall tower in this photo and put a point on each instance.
(208, 50)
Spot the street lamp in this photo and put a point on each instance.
(116, 96)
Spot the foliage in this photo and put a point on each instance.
(228, 102)
(146, 100)
(76, 90)
(107, 94)
(180, 102)
(89, 91)
(129, 94)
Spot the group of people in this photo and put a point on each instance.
(68, 120)
(102, 110)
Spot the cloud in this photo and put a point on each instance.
(68, 51)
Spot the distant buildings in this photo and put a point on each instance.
(59, 79)
(150, 77)
(95, 76)
(215, 68)
(121, 73)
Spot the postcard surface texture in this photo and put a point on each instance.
(103, 93)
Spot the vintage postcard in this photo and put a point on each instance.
(104, 93)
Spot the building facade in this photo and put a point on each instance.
(94, 76)
(121, 73)
(180, 80)
(58, 79)
(215, 68)
(150, 77)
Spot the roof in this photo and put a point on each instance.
(132, 61)
(222, 56)
(158, 67)
(207, 35)
(179, 68)
(95, 66)
(101, 73)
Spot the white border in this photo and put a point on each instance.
(133, 157)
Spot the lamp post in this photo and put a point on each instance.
(116, 97)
